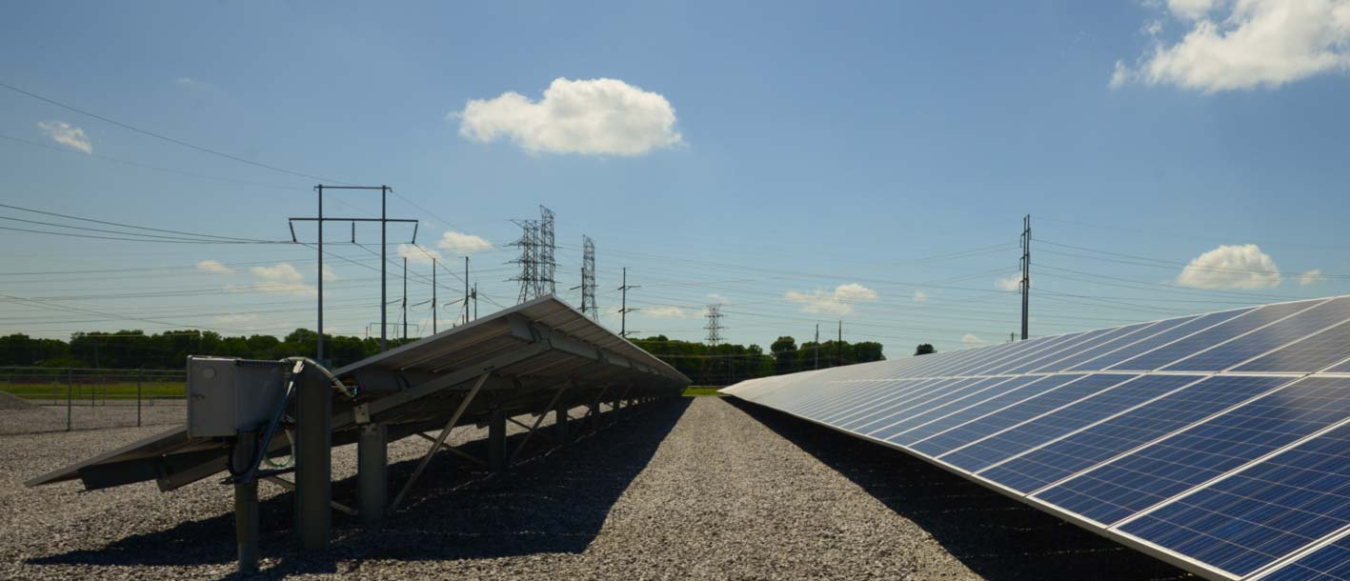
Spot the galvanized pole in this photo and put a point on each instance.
(320, 339)
(475, 301)
(246, 514)
(1026, 273)
(313, 464)
(70, 396)
(466, 290)
(384, 286)
(405, 298)
(433, 295)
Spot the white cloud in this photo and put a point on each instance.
(328, 274)
(67, 135)
(1244, 44)
(1313, 276)
(1012, 283)
(666, 312)
(971, 340)
(719, 299)
(1231, 267)
(417, 255)
(839, 302)
(462, 244)
(280, 278)
(214, 267)
(588, 117)
(920, 296)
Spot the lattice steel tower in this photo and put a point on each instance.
(528, 259)
(714, 325)
(547, 266)
(588, 279)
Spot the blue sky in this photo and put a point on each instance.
(863, 162)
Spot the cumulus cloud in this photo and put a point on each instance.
(920, 296)
(1231, 267)
(971, 340)
(280, 278)
(462, 244)
(67, 135)
(666, 312)
(1244, 44)
(1313, 276)
(587, 117)
(838, 302)
(1012, 283)
(417, 255)
(214, 267)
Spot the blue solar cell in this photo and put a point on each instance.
(1156, 338)
(1014, 390)
(1329, 563)
(1265, 339)
(1270, 510)
(981, 356)
(1166, 354)
(1013, 415)
(937, 408)
(1308, 355)
(1120, 488)
(1031, 353)
(1105, 403)
(1122, 336)
(885, 399)
(1076, 453)
(892, 413)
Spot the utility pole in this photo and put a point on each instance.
(1026, 272)
(433, 295)
(839, 346)
(817, 349)
(405, 298)
(475, 301)
(466, 290)
(714, 325)
(623, 305)
(384, 221)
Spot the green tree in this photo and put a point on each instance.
(925, 349)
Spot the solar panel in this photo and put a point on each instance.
(1220, 442)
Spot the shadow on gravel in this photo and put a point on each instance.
(995, 536)
(553, 501)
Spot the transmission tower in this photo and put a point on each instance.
(714, 325)
(528, 259)
(1026, 273)
(546, 264)
(588, 279)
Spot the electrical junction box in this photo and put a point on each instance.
(230, 395)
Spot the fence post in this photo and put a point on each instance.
(70, 396)
(138, 402)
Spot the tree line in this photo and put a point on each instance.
(133, 349)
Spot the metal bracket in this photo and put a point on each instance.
(361, 414)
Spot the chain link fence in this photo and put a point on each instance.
(45, 400)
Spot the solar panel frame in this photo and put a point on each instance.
(1160, 338)
(1238, 326)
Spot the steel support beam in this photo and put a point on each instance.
(497, 440)
(246, 505)
(313, 462)
(440, 440)
(372, 468)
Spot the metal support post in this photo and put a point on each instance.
(138, 402)
(372, 453)
(560, 422)
(246, 505)
(70, 397)
(313, 462)
(497, 440)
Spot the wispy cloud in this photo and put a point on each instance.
(971, 340)
(280, 278)
(214, 267)
(587, 117)
(1310, 277)
(418, 255)
(666, 312)
(920, 296)
(67, 135)
(1011, 283)
(839, 302)
(462, 244)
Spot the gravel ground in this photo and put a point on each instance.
(117, 414)
(699, 488)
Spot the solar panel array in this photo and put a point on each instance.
(1217, 442)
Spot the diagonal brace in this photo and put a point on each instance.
(440, 441)
(538, 420)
